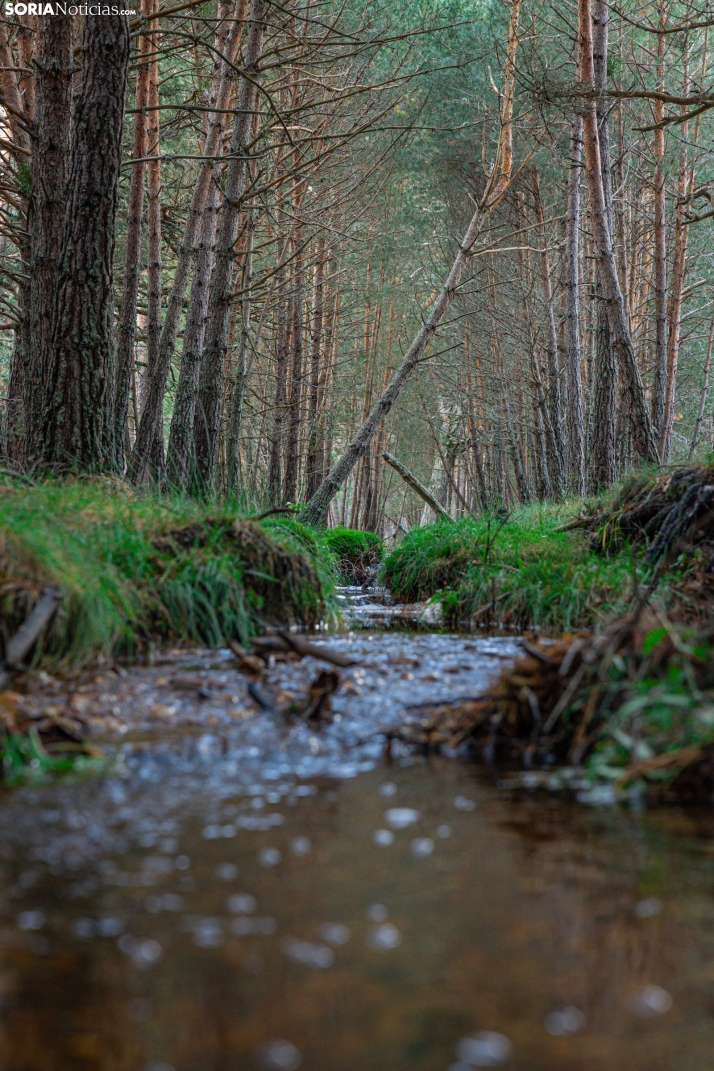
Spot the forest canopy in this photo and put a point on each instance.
(248, 246)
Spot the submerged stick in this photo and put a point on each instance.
(28, 632)
(328, 654)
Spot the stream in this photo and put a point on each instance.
(241, 892)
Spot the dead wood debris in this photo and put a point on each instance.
(560, 698)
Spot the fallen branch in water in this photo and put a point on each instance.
(20, 644)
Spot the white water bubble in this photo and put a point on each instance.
(401, 817)
(227, 871)
(443, 832)
(486, 1049)
(311, 955)
(647, 909)
(377, 912)
(334, 933)
(212, 832)
(31, 920)
(146, 953)
(242, 904)
(388, 789)
(383, 837)
(564, 1022)
(384, 937)
(651, 1000)
(463, 803)
(279, 1055)
(208, 933)
(110, 926)
(300, 845)
(269, 856)
(422, 847)
(83, 928)
(182, 862)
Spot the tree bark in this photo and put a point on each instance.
(78, 420)
(219, 301)
(153, 406)
(558, 467)
(575, 409)
(643, 432)
(660, 237)
(316, 345)
(132, 267)
(50, 168)
(153, 236)
(294, 407)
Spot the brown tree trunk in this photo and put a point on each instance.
(643, 432)
(50, 167)
(234, 421)
(78, 420)
(126, 329)
(316, 344)
(575, 411)
(219, 301)
(153, 405)
(660, 238)
(558, 465)
(294, 408)
(153, 235)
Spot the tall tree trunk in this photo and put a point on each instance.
(50, 168)
(126, 329)
(78, 420)
(316, 344)
(14, 423)
(603, 456)
(676, 294)
(153, 405)
(575, 412)
(558, 467)
(660, 238)
(219, 301)
(703, 393)
(153, 236)
(237, 399)
(294, 408)
(643, 432)
(281, 364)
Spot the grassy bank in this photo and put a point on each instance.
(136, 570)
(515, 572)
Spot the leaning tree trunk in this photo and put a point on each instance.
(643, 432)
(77, 429)
(50, 167)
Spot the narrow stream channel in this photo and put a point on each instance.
(243, 893)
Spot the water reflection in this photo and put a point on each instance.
(233, 900)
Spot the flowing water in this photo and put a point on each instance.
(243, 893)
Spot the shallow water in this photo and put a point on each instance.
(241, 893)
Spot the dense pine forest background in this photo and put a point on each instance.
(233, 248)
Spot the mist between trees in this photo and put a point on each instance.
(248, 246)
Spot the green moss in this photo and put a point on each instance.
(135, 569)
(355, 551)
(516, 571)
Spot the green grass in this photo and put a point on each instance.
(137, 569)
(517, 572)
(354, 551)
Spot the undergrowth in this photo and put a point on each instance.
(138, 569)
(356, 552)
(516, 571)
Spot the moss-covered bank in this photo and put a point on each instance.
(136, 570)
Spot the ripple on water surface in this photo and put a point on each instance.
(258, 895)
